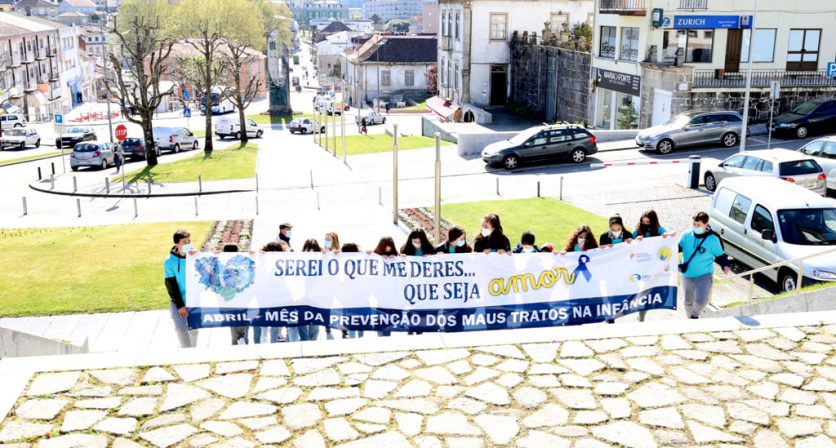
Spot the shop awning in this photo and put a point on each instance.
(441, 107)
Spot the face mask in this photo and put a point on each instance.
(460, 243)
(288, 234)
(616, 234)
(699, 230)
(581, 241)
(416, 245)
(486, 232)
(187, 248)
(326, 244)
(527, 250)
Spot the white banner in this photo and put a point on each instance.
(436, 293)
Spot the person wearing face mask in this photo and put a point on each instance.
(386, 248)
(648, 226)
(331, 243)
(285, 232)
(700, 248)
(491, 238)
(456, 242)
(175, 283)
(581, 240)
(351, 248)
(417, 244)
(616, 234)
(526, 244)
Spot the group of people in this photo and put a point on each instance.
(700, 248)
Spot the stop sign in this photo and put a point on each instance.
(121, 132)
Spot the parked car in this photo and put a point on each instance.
(9, 121)
(542, 143)
(95, 154)
(20, 138)
(808, 117)
(135, 147)
(174, 139)
(781, 163)
(371, 117)
(692, 128)
(823, 151)
(763, 220)
(231, 127)
(70, 136)
(305, 126)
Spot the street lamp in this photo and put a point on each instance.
(745, 127)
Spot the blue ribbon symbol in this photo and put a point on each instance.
(582, 269)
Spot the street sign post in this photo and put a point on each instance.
(59, 123)
(59, 119)
(775, 90)
(187, 112)
(186, 95)
(121, 132)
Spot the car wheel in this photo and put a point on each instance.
(787, 280)
(104, 165)
(18, 125)
(258, 134)
(578, 155)
(176, 148)
(322, 130)
(384, 120)
(710, 182)
(74, 168)
(801, 132)
(57, 144)
(22, 146)
(665, 146)
(729, 139)
(38, 143)
(511, 162)
(194, 146)
(238, 135)
(221, 136)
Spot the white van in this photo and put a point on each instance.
(231, 127)
(9, 121)
(219, 102)
(765, 220)
(174, 139)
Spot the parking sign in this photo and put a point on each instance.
(831, 69)
(59, 119)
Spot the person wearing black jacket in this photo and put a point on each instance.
(491, 238)
(285, 232)
(526, 244)
(175, 283)
(456, 242)
(417, 244)
(616, 234)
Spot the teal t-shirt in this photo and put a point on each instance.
(703, 261)
(662, 231)
(175, 266)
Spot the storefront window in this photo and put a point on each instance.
(628, 113)
(616, 110)
(671, 41)
(629, 44)
(607, 49)
(763, 48)
(603, 109)
(700, 43)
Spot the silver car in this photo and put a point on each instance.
(94, 154)
(823, 151)
(692, 128)
(782, 163)
(20, 138)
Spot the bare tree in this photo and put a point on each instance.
(5, 70)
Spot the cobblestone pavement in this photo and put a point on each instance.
(756, 388)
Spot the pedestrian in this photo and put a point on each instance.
(119, 159)
(526, 244)
(238, 334)
(331, 243)
(350, 248)
(388, 107)
(700, 248)
(175, 283)
(363, 129)
(616, 233)
(581, 240)
(386, 248)
(547, 248)
(456, 242)
(417, 244)
(648, 226)
(491, 238)
(285, 232)
(273, 332)
(309, 332)
(311, 245)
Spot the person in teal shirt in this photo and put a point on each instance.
(174, 272)
(649, 226)
(700, 248)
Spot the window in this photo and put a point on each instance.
(751, 163)
(699, 46)
(740, 208)
(456, 77)
(808, 226)
(763, 49)
(829, 150)
(457, 26)
(540, 139)
(734, 162)
(409, 78)
(449, 24)
(762, 220)
(441, 74)
(385, 78)
(499, 26)
(629, 44)
(607, 48)
(813, 148)
(443, 23)
(766, 167)
(803, 50)
(560, 135)
(799, 168)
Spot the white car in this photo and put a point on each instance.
(20, 138)
(231, 127)
(305, 126)
(10, 121)
(174, 139)
(371, 117)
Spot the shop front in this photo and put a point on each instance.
(617, 102)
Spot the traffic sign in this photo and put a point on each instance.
(831, 69)
(187, 112)
(121, 132)
(775, 89)
(185, 95)
(59, 119)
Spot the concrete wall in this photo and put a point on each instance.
(821, 300)
(474, 143)
(430, 126)
(16, 344)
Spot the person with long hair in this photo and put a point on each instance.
(351, 248)
(272, 333)
(311, 245)
(616, 234)
(386, 248)
(648, 226)
(417, 244)
(491, 238)
(581, 240)
(308, 332)
(456, 242)
(331, 243)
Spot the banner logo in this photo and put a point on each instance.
(226, 279)
(665, 253)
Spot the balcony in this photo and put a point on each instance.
(40, 55)
(444, 43)
(13, 92)
(15, 60)
(693, 4)
(624, 7)
(27, 58)
(54, 91)
(713, 79)
(29, 86)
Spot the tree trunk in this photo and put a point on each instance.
(242, 119)
(207, 144)
(148, 133)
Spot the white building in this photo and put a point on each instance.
(76, 87)
(331, 52)
(392, 9)
(473, 52)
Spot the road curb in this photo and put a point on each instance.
(127, 195)
(31, 160)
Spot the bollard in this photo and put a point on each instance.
(256, 183)
(561, 188)
(317, 200)
(149, 187)
(75, 184)
(195, 206)
(136, 209)
(311, 179)
(380, 196)
(694, 172)
(199, 185)
(39, 174)
(256, 205)
(497, 187)
(53, 167)
(538, 188)
(52, 180)
(107, 184)
(78, 206)
(25, 208)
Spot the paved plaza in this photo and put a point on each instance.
(768, 381)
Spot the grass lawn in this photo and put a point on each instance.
(811, 288)
(278, 119)
(87, 269)
(24, 159)
(365, 144)
(199, 133)
(419, 106)
(231, 163)
(550, 220)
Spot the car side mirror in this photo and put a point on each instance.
(768, 234)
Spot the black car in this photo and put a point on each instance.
(808, 117)
(546, 142)
(73, 135)
(134, 148)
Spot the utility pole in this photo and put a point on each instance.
(395, 174)
(104, 74)
(748, 79)
(437, 211)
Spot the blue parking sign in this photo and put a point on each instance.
(831, 69)
(59, 119)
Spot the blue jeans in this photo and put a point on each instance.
(302, 333)
(352, 334)
(384, 333)
(273, 333)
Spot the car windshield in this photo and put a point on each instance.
(132, 142)
(85, 147)
(809, 226)
(799, 168)
(521, 138)
(14, 132)
(804, 108)
(679, 120)
(75, 131)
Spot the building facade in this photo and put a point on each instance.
(473, 45)
(79, 6)
(37, 8)
(392, 9)
(429, 17)
(656, 58)
(306, 11)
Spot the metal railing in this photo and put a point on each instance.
(800, 276)
(693, 4)
(626, 7)
(762, 78)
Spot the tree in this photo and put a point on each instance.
(432, 80)
(582, 29)
(376, 19)
(143, 45)
(201, 25)
(337, 70)
(398, 26)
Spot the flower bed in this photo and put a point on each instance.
(422, 218)
(236, 231)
